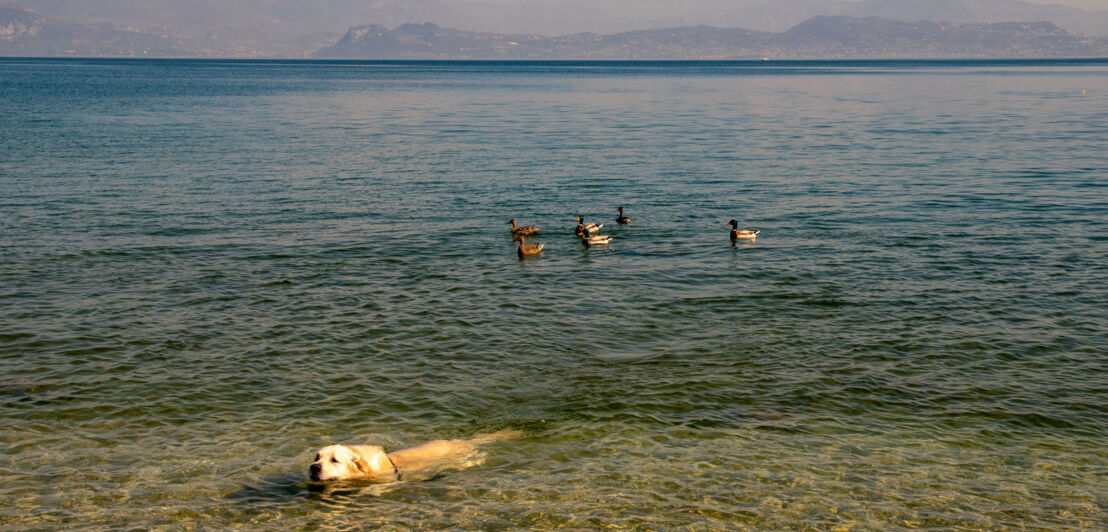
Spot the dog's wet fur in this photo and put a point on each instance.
(371, 462)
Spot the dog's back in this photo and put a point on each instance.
(499, 435)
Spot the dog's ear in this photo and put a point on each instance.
(361, 464)
(369, 459)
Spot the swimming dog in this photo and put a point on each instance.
(341, 462)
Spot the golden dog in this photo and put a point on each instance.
(341, 462)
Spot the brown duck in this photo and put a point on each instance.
(526, 249)
(523, 229)
(623, 219)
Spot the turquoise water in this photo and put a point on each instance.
(210, 269)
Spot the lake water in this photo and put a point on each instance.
(210, 269)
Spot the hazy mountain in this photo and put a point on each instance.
(294, 28)
(25, 33)
(874, 37)
(292, 17)
(780, 15)
(428, 41)
(969, 11)
(284, 19)
(19, 23)
(819, 37)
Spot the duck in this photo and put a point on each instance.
(590, 239)
(526, 249)
(736, 233)
(623, 219)
(523, 229)
(582, 226)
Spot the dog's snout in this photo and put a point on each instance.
(314, 470)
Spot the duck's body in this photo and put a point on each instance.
(523, 229)
(526, 249)
(623, 219)
(741, 234)
(590, 239)
(744, 234)
(582, 226)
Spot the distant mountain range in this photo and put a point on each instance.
(24, 32)
(780, 15)
(821, 37)
(281, 24)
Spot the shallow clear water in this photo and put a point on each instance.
(210, 269)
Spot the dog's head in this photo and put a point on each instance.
(338, 462)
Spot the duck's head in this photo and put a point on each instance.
(733, 224)
(621, 210)
(580, 218)
(512, 221)
(519, 238)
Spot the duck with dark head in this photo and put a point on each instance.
(589, 239)
(741, 234)
(582, 226)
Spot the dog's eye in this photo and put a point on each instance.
(335, 460)
(317, 458)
